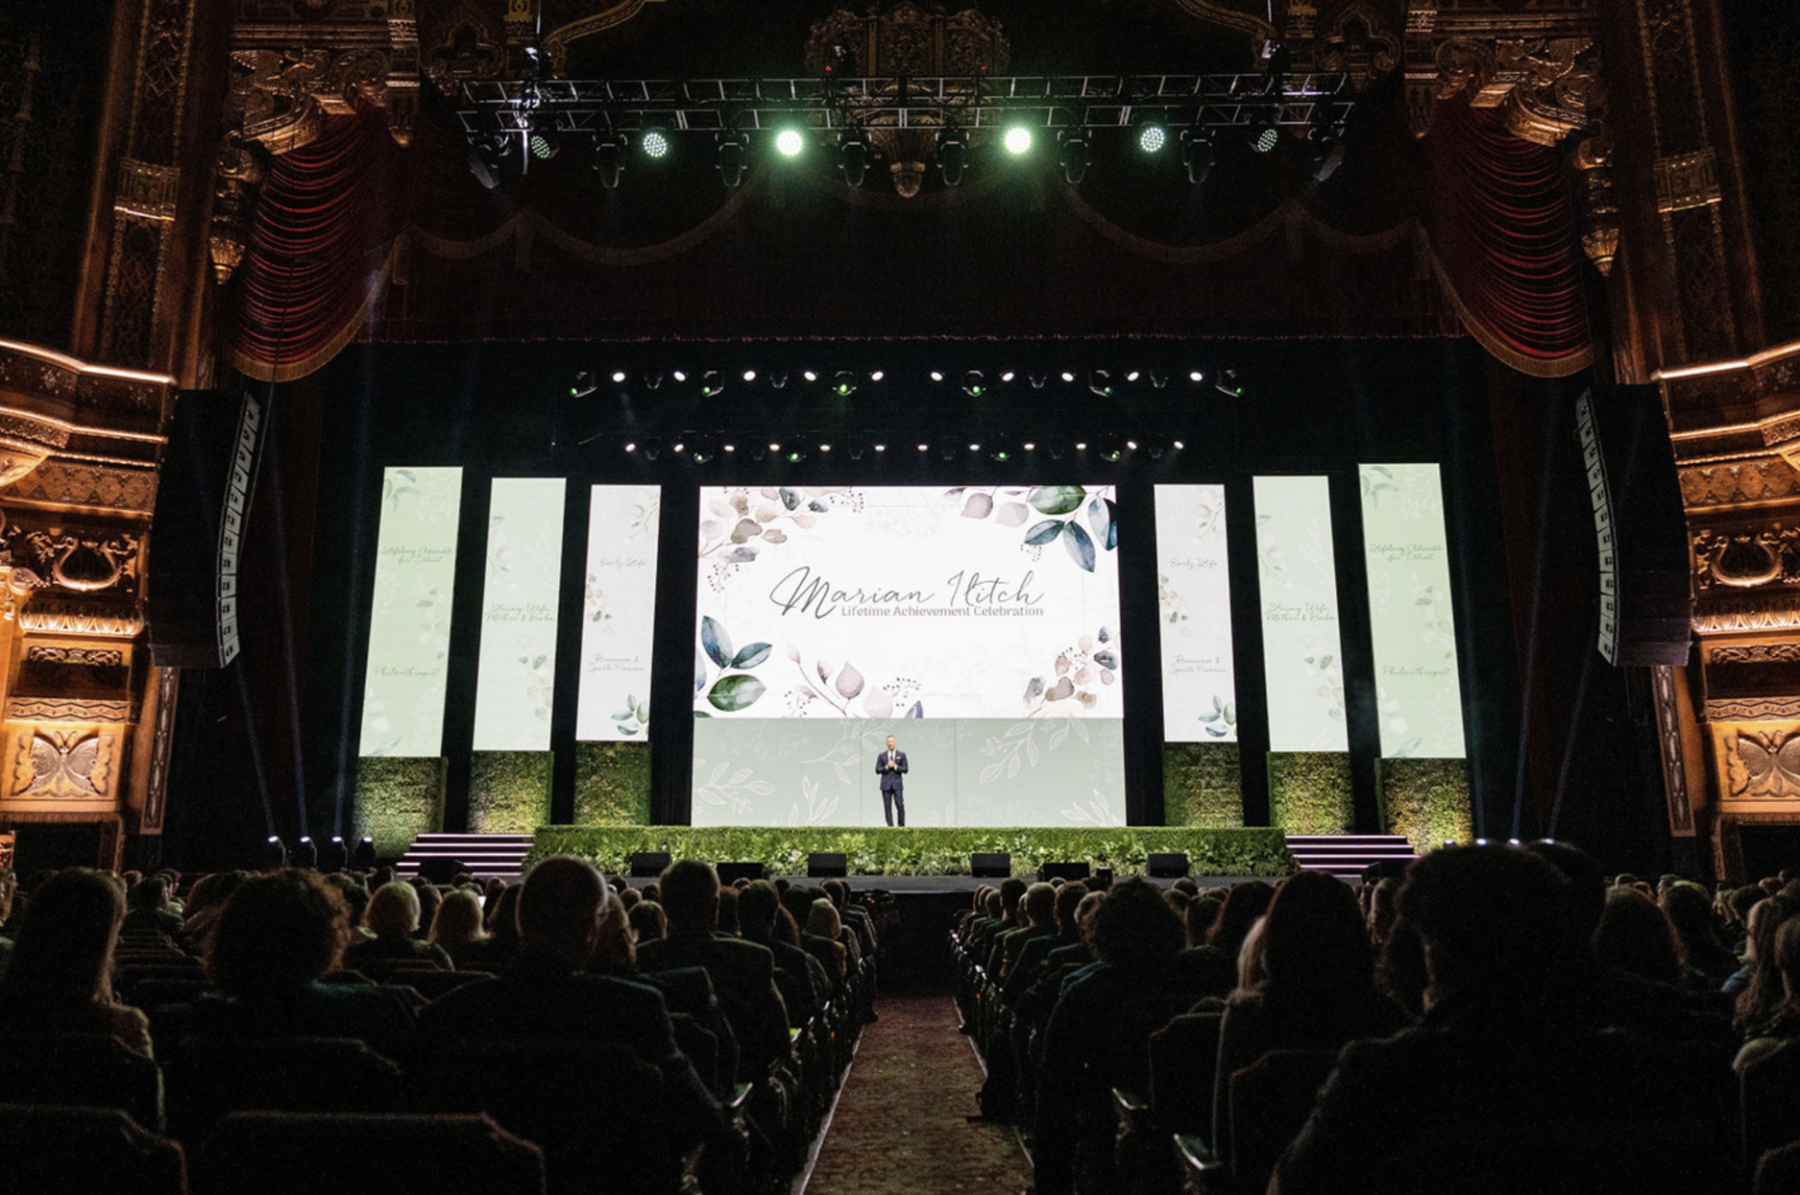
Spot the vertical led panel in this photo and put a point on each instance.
(618, 613)
(1412, 627)
(1302, 657)
(409, 616)
(1193, 588)
(519, 597)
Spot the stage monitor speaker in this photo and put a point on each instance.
(441, 871)
(1103, 878)
(647, 865)
(202, 513)
(1063, 871)
(990, 863)
(1166, 866)
(828, 864)
(731, 873)
(1639, 526)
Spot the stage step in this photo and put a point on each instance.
(1346, 855)
(499, 856)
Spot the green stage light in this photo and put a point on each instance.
(1265, 140)
(1018, 140)
(789, 143)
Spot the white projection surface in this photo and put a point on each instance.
(1193, 588)
(517, 668)
(978, 625)
(618, 613)
(409, 617)
(1302, 656)
(1412, 627)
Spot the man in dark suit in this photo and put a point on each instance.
(891, 766)
(547, 993)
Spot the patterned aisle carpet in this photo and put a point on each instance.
(901, 1126)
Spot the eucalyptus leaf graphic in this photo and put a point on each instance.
(716, 642)
(849, 682)
(751, 655)
(742, 555)
(979, 506)
(878, 703)
(1061, 691)
(746, 529)
(643, 711)
(1013, 514)
(790, 498)
(1044, 532)
(1056, 499)
(1100, 518)
(917, 710)
(1080, 545)
(1034, 690)
(736, 692)
(1106, 658)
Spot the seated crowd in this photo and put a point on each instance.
(696, 1049)
(1506, 1018)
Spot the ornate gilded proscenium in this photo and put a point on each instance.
(1746, 560)
(1763, 764)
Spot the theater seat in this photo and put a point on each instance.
(1270, 1101)
(90, 1070)
(304, 1153)
(1769, 1092)
(1183, 1055)
(46, 1150)
(211, 1076)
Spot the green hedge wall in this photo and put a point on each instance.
(1310, 793)
(509, 791)
(923, 850)
(612, 784)
(1202, 786)
(1426, 799)
(397, 800)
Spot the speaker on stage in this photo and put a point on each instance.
(828, 864)
(731, 873)
(1063, 871)
(1166, 866)
(647, 865)
(990, 863)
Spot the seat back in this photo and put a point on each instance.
(82, 1069)
(1769, 1094)
(1778, 1171)
(594, 1109)
(1270, 1101)
(1183, 1056)
(211, 1076)
(303, 1153)
(50, 1150)
(432, 983)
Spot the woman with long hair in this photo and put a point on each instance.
(457, 928)
(59, 978)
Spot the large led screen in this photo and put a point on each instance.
(519, 596)
(1302, 653)
(1412, 626)
(1193, 589)
(409, 616)
(978, 625)
(618, 613)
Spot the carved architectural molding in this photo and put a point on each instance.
(1761, 763)
(1754, 653)
(91, 711)
(58, 616)
(1744, 407)
(469, 43)
(48, 764)
(1750, 709)
(1735, 616)
(1671, 748)
(111, 489)
(1739, 560)
(146, 190)
(75, 559)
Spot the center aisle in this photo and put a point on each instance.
(901, 1125)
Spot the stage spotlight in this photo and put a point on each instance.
(712, 383)
(1007, 376)
(1227, 384)
(653, 381)
(1195, 375)
(364, 855)
(936, 376)
(1154, 446)
(1081, 446)
(678, 446)
(778, 379)
(274, 853)
(972, 384)
(306, 854)
(810, 376)
(542, 139)
(1100, 382)
(774, 446)
(1131, 444)
(924, 448)
(652, 448)
(749, 375)
(609, 160)
(947, 450)
(1067, 376)
(853, 156)
(733, 156)
(485, 157)
(1018, 140)
(1029, 446)
(584, 385)
(789, 143)
(857, 449)
(1056, 446)
(975, 446)
(730, 448)
(1073, 157)
(1111, 453)
(795, 456)
(1132, 376)
(630, 446)
(1327, 148)
(334, 855)
(1197, 154)
(757, 452)
(1178, 444)
(843, 383)
(877, 376)
(881, 448)
(952, 155)
(618, 377)
(1159, 378)
(1152, 136)
(1263, 134)
(679, 376)
(1037, 380)
(655, 142)
(701, 456)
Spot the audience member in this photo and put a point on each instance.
(1038, 908)
(1691, 913)
(431, 898)
(1784, 1024)
(648, 921)
(1383, 899)
(1030, 962)
(150, 910)
(503, 929)
(1244, 904)
(1763, 992)
(458, 931)
(1634, 936)
(758, 908)
(392, 920)
(59, 978)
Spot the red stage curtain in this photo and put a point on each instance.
(319, 243)
(1504, 235)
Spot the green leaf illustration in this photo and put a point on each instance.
(1056, 499)
(1044, 532)
(751, 655)
(736, 692)
(716, 642)
(1080, 545)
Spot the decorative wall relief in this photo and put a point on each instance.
(84, 560)
(1746, 560)
(57, 764)
(1762, 763)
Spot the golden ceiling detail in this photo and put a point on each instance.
(556, 43)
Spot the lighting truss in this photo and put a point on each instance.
(606, 106)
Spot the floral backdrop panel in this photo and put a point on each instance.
(1302, 656)
(409, 617)
(1411, 623)
(618, 613)
(1193, 589)
(517, 667)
